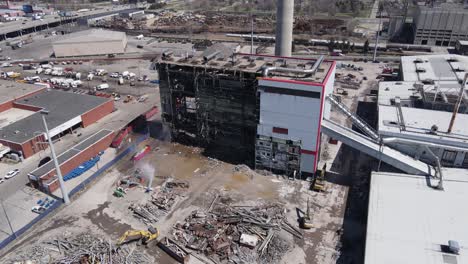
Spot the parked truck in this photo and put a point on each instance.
(102, 86)
(101, 72)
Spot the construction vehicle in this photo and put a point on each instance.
(128, 99)
(318, 184)
(119, 192)
(141, 236)
(305, 221)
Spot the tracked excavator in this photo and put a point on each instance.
(142, 236)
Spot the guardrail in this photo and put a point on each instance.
(74, 191)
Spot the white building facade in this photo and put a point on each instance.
(289, 129)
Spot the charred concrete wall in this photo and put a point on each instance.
(212, 108)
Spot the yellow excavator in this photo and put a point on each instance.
(304, 221)
(142, 236)
(319, 183)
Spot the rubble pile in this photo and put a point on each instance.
(237, 234)
(134, 180)
(83, 248)
(218, 20)
(244, 169)
(349, 81)
(161, 202)
(210, 19)
(179, 18)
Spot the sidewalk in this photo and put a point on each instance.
(18, 210)
(108, 155)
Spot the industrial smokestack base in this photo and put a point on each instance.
(284, 27)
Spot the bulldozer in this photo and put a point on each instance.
(142, 236)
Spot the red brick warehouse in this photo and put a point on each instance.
(67, 111)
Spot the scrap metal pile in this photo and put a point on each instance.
(83, 248)
(236, 22)
(161, 202)
(237, 234)
(209, 21)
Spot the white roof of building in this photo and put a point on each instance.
(434, 67)
(419, 122)
(407, 90)
(410, 222)
(92, 35)
(389, 90)
(463, 42)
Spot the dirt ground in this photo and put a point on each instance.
(97, 211)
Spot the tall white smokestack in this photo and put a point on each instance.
(284, 27)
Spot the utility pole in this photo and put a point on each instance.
(66, 200)
(457, 104)
(252, 34)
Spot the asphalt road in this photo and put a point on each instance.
(18, 25)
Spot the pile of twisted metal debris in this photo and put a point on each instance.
(83, 248)
(161, 202)
(237, 234)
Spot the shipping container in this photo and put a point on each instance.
(117, 142)
(153, 111)
(142, 153)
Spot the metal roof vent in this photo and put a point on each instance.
(419, 69)
(434, 129)
(418, 60)
(454, 247)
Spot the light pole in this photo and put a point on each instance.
(8, 219)
(66, 200)
(377, 36)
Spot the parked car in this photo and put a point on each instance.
(38, 209)
(12, 173)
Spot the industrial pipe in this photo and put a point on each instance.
(210, 56)
(167, 53)
(440, 185)
(457, 105)
(312, 70)
(421, 143)
(400, 112)
(426, 145)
